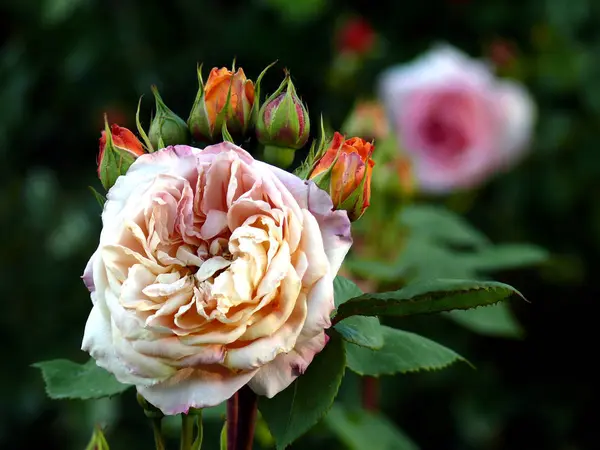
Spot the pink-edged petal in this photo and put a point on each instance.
(334, 225)
(320, 305)
(195, 388)
(216, 149)
(277, 375)
(88, 273)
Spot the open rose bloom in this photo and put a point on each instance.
(213, 271)
(455, 119)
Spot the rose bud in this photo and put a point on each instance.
(283, 119)
(226, 97)
(367, 120)
(118, 149)
(167, 128)
(344, 171)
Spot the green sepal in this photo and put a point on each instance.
(114, 162)
(167, 125)
(225, 133)
(98, 196)
(315, 153)
(198, 122)
(256, 106)
(147, 144)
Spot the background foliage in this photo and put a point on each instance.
(64, 62)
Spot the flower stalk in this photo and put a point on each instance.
(241, 419)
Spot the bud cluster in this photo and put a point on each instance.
(228, 107)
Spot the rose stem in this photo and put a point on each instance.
(187, 432)
(370, 393)
(159, 442)
(232, 421)
(247, 404)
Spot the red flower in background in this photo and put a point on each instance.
(356, 36)
(502, 52)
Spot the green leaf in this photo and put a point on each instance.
(360, 330)
(295, 410)
(67, 379)
(359, 430)
(505, 256)
(440, 224)
(375, 269)
(428, 297)
(496, 320)
(402, 352)
(344, 290)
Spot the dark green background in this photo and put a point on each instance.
(64, 62)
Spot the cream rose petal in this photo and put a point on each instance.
(195, 388)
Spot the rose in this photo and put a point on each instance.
(213, 271)
(457, 121)
(345, 172)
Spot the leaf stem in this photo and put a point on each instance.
(159, 441)
(198, 442)
(187, 432)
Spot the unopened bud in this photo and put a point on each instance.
(344, 171)
(283, 119)
(118, 149)
(227, 97)
(167, 128)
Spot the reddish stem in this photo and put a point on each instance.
(232, 421)
(241, 419)
(370, 393)
(248, 406)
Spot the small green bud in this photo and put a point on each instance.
(98, 441)
(167, 128)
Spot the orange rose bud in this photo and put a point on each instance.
(118, 149)
(344, 171)
(227, 97)
(368, 120)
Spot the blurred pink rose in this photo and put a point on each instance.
(455, 119)
(213, 271)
